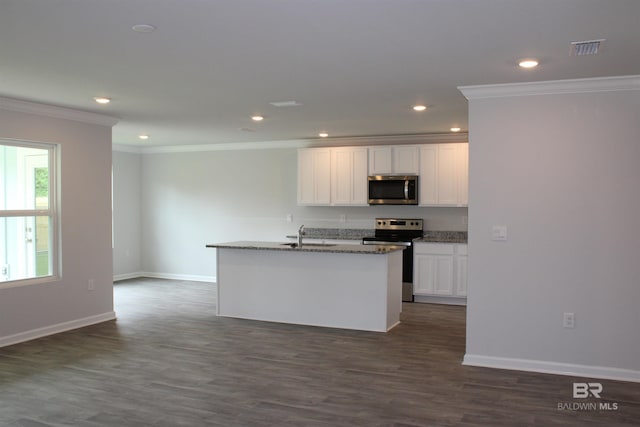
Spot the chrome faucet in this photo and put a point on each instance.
(300, 234)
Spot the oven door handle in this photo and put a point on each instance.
(386, 243)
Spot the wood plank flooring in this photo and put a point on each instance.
(169, 361)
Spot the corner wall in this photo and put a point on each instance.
(557, 163)
(127, 215)
(31, 311)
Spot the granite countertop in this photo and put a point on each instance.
(335, 233)
(443, 237)
(359, 233)
(309, 247)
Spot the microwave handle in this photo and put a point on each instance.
(406, 189)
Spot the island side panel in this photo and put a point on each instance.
(322, 289)
(394, 289)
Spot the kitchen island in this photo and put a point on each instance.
(340, 286)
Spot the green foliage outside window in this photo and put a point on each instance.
(42, 182)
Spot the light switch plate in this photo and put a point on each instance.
(499, 233)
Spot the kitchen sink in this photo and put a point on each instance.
(311, 245)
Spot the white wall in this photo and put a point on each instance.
(193, 198)
(127, 215)
(561, 171)
(40, 309)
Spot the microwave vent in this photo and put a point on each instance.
(590, 47)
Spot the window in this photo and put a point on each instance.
(28, 212)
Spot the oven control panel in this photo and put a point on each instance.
(399, 224)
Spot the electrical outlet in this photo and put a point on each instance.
(91, 285)
(569, 320)
(343, 218)
(4, 271)
(289, 217)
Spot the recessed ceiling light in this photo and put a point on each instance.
(257, 118)
(323, 134)
(143, 137)
(528, 63)
(455, 129)
(102, 100)
(419, 107)
(143, 28)
(285, 104)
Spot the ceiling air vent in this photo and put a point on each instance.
(590, 47)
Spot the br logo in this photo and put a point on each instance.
(585, 390)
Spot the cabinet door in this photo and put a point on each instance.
(463, 174)
(428, 186)
(349, 176)
(380, 160)
(447, 174)
(443, 282)
(360, 192)
(461, 276)
(405, 159)
(314, 176)
(433, 275)
(423, 276)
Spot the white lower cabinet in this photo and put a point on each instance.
(440, 272)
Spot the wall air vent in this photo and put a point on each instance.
(590, 47)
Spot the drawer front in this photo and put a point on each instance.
(434, 248)
(462, 249)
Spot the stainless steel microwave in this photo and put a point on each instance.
(393, 190)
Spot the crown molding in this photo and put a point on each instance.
(259, 145)
(302, 143)
(56, 112)
(425, 138)
(552, 87)
(126, 148)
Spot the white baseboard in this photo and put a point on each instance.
(56, 329)
(117, 277)
(439, 300)
(156, 275)
(602, 372)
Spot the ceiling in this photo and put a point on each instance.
(356, 66)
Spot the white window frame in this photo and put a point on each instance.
(52, 212)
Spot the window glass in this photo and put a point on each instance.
(27, 211)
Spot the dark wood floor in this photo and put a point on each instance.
(169, 361)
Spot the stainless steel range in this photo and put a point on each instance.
(399, 232)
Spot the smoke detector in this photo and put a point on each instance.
(588, 47)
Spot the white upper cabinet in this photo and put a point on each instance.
(338, 176)
(444, 174)
(314, 176)
(397, 159)
(349, 176)
(463, 174)
(332, 176)
(379, 160)
(447, 180)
